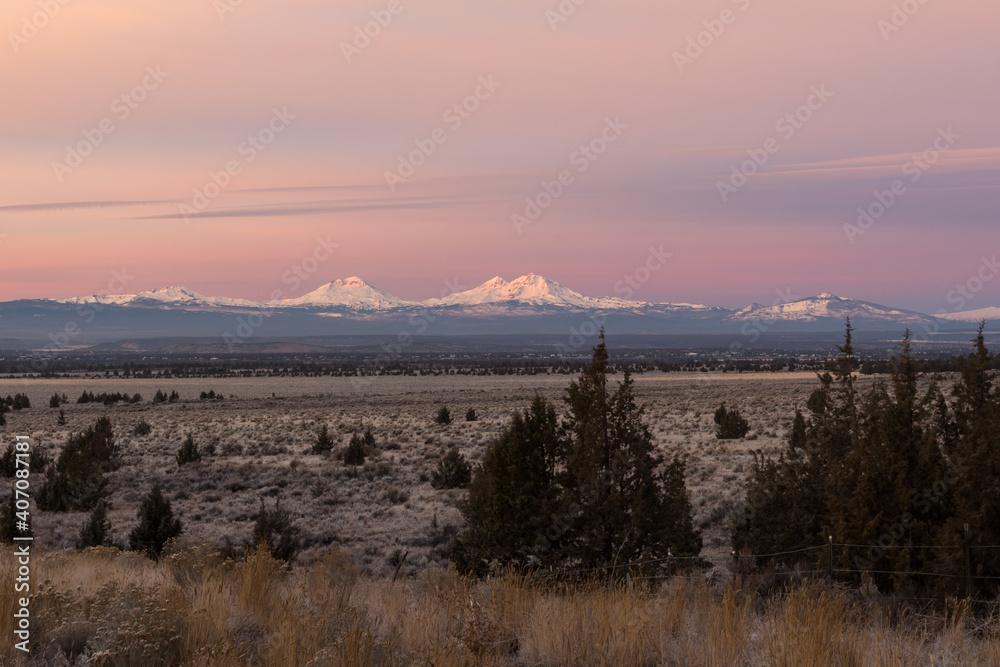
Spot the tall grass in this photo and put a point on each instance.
(104, 607)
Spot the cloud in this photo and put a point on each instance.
(311, 208)
(66, 205)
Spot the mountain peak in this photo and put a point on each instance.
(353, 292)
(828, 296)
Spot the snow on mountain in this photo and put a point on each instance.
(988, 314)
(530, 289)
(826, 306)
(536, 290)
(353, 293)
(166, 296)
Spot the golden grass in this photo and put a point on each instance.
(104, 607)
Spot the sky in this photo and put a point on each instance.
(771, 148)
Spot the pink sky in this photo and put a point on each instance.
(894, 93)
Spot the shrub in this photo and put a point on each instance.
(156, 525)
(443, 416)
(188, 453)
(55, 401)
(96, 531)
(76, 482)
(730, 424)
(471, 415)
(142, 428)
(355, 453)
(324, 443)
(453, 472)
(274, 528)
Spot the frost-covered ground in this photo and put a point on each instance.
(263, 431)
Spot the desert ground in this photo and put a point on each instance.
(262, 433)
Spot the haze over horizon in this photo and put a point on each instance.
(623, 123)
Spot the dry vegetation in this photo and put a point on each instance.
(264, 429)
(338, 605)
(105, 607)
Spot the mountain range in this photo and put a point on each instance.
(528, 304)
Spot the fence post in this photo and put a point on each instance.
(968, 565)
(831, 556)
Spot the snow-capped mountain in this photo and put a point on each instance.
(352, 294)
(532, 290)
(989, 314)
(536, 290)
(163, 296)
(530, 304)
(828, 306)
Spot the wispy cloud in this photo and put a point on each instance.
(312, 208)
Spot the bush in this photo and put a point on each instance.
(142, 429)
(730, 424)
(274, 528)
(156, 525)
(188, 453)
(55, 401)
(355, 453)
(443, 416)
(453, 472)
(471, 415)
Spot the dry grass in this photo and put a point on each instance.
(104, 607)
(264, 429)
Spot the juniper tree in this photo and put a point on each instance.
(156, 526)
(512, 495)
(188, 452)
(96, 531)
(274, 528)
(324, 443)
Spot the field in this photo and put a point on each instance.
(264, 429)
(340, 602)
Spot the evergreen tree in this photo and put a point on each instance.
(591, 493)
(443, 416)
(453, 472)
(355, 453)
(512, 495)
(76, 482)
(976, 465)
(96, 531)
(188, 452)
(730, 424)
(324, 443)
(156, 525)
(274, 528)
